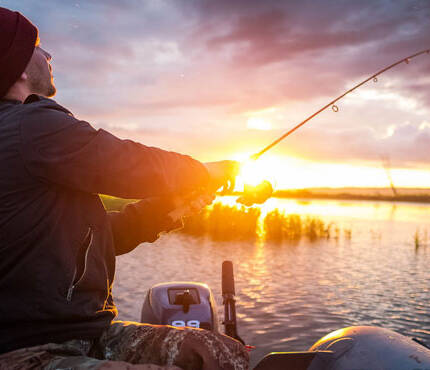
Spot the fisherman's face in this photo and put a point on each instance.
(39, 73)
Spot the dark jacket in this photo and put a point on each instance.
(57, 242)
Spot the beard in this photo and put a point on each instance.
(42, 85)
(40, 81)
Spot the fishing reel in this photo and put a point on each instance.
(257, 194)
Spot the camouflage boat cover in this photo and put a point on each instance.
(134, 346)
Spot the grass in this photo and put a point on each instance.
(230, 223)
(420, 239)
(279, 227)
(113, 203)
(223, 223)
(219, 222)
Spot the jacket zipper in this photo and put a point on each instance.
(73, 284)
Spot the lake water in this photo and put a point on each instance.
(288, 296)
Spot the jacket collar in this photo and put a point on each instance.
(10, 101)
(30, 99)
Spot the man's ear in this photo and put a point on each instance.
(24, 76)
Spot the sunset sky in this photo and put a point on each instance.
(222, 79)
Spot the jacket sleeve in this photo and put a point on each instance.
(58, 148)
(141, 222)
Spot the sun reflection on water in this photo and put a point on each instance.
(362, 210)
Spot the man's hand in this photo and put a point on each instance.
(257, 194)
(187, 206)
(222, 174)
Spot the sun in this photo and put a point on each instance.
(254, 172)
(283, 172)
(291, 172)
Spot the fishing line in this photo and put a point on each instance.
(332, 104)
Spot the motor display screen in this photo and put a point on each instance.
(176, 293)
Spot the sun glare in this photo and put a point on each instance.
(251, 173)
(285, 172)
(254, 172)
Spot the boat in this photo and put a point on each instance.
(193, 304)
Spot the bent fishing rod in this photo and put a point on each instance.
(333, 102)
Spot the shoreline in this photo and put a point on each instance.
(405, 195)
(346, 196)
(410, 195)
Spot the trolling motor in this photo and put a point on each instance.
(181, 304)
(356, 347)
(192, 304)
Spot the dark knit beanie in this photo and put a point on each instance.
(17, 42)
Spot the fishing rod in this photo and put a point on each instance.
(332, 103)
(260, 193)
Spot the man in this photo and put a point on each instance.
(57, 242)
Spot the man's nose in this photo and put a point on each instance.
(47, 55)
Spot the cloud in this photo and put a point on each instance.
(158, 70)
(408, 146)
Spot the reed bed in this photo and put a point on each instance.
(279, 227)
(224, 223)
(231, 223)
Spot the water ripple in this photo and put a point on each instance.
(290, 296)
